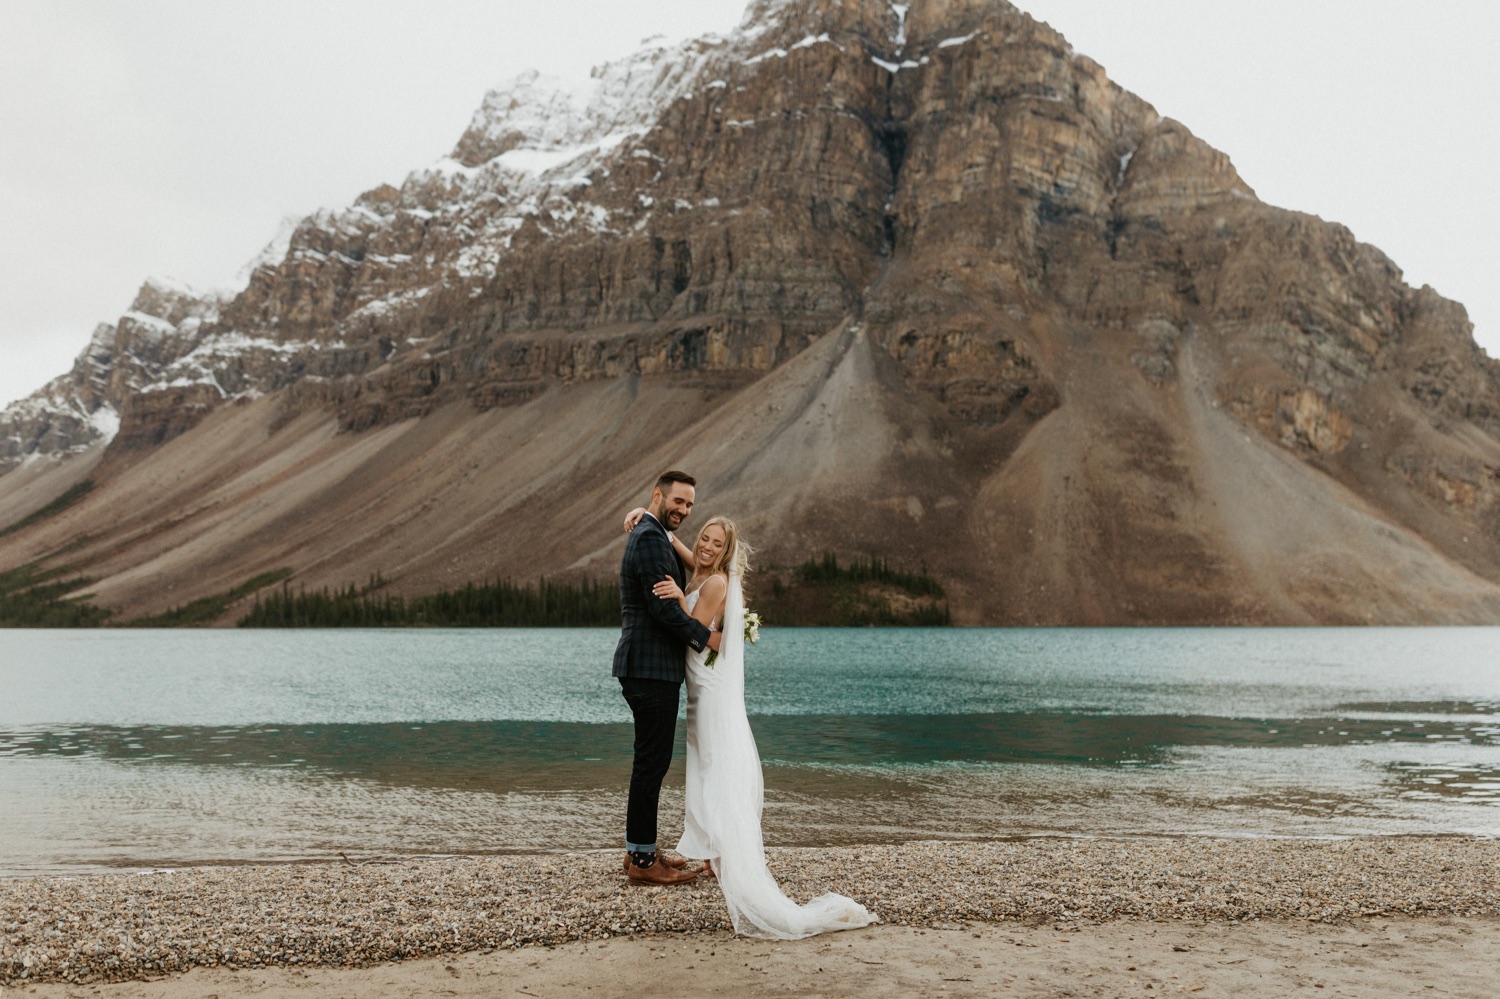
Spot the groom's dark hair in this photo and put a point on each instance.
(670, 476)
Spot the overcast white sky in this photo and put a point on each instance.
(170, 137)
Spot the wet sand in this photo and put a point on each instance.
(1404, 956)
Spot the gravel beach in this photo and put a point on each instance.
(119, 927)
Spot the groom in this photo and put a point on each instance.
(651, 664)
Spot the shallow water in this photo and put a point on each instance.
(147, 749)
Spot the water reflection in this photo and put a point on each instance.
(518, 755)
(1473, 783)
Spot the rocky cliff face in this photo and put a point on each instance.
(908, 279)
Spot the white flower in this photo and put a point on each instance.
(752, 635)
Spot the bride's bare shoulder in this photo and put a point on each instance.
(716, 584)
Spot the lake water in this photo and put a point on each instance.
(142, 749)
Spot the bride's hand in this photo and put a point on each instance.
(634, 517)
(668, 589)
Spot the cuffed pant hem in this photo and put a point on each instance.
(637, 848)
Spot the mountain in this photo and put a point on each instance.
(916, 281)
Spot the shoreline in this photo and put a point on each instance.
(129, 927)
(342, 859)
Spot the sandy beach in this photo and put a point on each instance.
(1271, 959)
(1390, 916)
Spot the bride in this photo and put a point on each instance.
(724, 785)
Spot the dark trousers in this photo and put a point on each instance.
(654, 704)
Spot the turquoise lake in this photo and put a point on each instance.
(147, 749)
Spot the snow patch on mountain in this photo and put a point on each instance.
(536, 123)
(150, 325)
(221, 358)
(106, 422)
(948, 43)
(273, 253)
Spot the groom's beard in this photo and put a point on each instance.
(672, 518)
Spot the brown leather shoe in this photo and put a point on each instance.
(676, 863)
(657, 874)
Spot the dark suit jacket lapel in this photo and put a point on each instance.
(681, 574)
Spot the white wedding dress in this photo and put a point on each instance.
(724, 795)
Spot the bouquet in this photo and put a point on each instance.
(752, 635)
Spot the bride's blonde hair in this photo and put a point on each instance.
(732, 546)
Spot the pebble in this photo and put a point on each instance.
(113, 927)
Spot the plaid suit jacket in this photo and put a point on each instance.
(654, 633)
